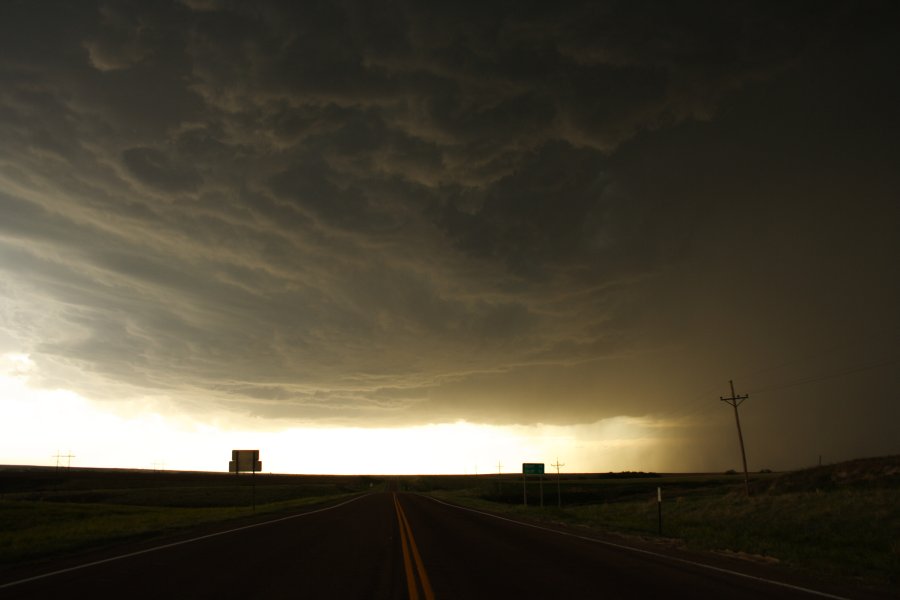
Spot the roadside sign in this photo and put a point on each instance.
(532, 468)
(244, 460)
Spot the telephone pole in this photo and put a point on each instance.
(499, 479)
(558, 494)
(68, 458)
(736, 401)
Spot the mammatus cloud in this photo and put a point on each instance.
(347, 214)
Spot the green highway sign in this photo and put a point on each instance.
(533, 468)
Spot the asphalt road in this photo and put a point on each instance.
(388, 545)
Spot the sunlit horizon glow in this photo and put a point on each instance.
(83, 433)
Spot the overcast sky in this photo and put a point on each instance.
(392, 215)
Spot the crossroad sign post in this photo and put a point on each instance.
(532, 469)
(246, 460)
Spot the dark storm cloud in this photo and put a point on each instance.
(156, 169)
(407, 213)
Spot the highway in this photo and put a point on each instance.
(396, 545)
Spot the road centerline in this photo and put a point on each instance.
(414, 566)
(411, 589)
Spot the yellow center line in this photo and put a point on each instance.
(409, 542)
(407, 564)
(423, 575)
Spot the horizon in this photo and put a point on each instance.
(517, 474)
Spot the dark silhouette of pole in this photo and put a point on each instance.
(558, 494)
(525, 486)
(736, 401)
(659, 507)
(68, 458)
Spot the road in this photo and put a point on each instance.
(394, 545)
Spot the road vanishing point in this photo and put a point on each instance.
(405, 546)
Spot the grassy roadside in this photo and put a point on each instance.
(39, 529)
(45, 514)
(845, 532)
(841, 520)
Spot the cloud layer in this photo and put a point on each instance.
(357, 214)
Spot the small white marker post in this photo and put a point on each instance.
(659, 507)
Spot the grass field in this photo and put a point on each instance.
(839, 520)
(46, 513)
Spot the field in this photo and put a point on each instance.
(839, 521)
(45, 513)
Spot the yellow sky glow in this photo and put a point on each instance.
(40, 423)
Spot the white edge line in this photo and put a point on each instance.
(648, 552)
(173, 544)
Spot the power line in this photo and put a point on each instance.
(698, 402)
(889, 337)
(850, 371)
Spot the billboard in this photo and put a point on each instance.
(244, 461)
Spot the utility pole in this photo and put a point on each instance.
(558, 494)
(499, 479)
(68, 458)
(736, 401)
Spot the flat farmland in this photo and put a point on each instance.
(47, 513)
(839, 522)
(835, 524)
